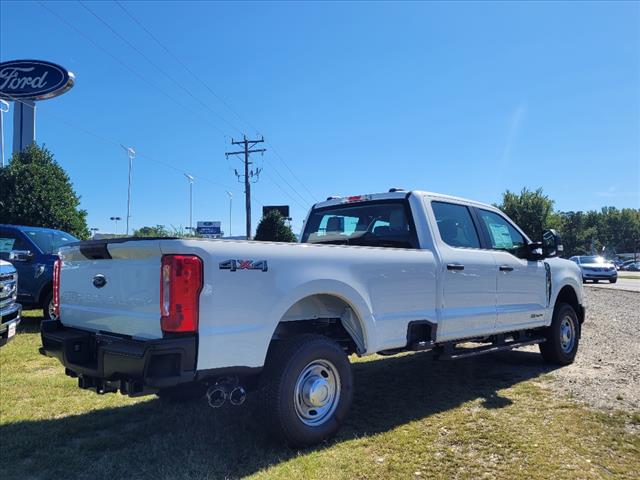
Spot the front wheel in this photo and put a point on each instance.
(562, 337)
(307, 389)
(613, 280)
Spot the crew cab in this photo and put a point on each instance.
(32, 251)
(382, 273)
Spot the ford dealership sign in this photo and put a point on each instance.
(33, 80)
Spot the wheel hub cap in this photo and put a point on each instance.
(567, 334)
(317, 392)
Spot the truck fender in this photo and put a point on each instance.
(358, 321)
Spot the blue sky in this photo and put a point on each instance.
(467, 99)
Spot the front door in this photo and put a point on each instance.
(468, 307)
(521, 297)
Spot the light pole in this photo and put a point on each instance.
(131, 153)
(190, 179)
(115, 219)
(230, 201)
(93, 231)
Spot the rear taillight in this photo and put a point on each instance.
(180, 286)
(56, 287)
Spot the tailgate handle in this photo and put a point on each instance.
(455, 266)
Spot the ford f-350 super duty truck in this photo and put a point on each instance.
(382, 273)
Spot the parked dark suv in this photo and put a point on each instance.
(33, 251)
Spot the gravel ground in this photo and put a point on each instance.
(606, 373)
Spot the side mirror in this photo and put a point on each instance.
(20, 256)
(551, 244)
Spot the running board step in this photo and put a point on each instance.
(458, 353)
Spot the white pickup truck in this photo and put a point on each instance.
(383, 273)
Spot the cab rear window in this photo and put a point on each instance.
(378, 224)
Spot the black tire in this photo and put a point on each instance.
(183, 393)
(584, 280)
(557, 349)
(613, 280)
(47, 307)
(286, 361)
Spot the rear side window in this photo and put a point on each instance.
(455, 225)
(502, 235)
(378, 224)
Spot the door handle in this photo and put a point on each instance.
(506, 268)
(455, 266)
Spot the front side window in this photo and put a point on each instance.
(455, 225)
(378, 224)
(10, 241)
(502, 235)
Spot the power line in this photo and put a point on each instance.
(156, 66)
(218, 97)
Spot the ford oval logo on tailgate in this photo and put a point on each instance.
(99, 281)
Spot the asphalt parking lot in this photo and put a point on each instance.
(629, 281)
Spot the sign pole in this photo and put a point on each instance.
(24, 124)
(4, 108)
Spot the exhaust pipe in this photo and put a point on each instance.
(216, 396)
(237, 396)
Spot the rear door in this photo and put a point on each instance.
(468, 284)
(112, 287)
(521, 297)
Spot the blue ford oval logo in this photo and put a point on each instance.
(99, 281)
(33, 80)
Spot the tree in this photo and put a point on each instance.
(531, 210)
(273, 229)
(157, 231)
(36, 191)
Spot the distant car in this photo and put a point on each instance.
(631, 267)
(596, 268)
(33, 251)
(9, 310)
(629, 263)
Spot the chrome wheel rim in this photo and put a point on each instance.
(567, 334)
(52, 311)
(317, 392)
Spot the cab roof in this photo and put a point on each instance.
(397, 194)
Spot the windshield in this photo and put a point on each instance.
(49, 241)
(592, 259)
(378, 224)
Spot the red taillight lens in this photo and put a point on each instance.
(180, 286)
(56, 287)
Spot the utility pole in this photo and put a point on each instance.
(249, 175)
(230, 203)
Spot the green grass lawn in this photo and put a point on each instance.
(412, 418)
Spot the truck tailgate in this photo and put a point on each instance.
(112, 286)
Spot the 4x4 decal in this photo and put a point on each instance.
(234, 265)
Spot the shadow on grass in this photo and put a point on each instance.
(157, 440)
(30, 321)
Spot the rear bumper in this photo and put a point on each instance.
(9, 320)
(107, 363)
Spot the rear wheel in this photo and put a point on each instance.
(48, 310)
(562, 337)
(307, 389)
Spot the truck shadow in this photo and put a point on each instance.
(153, 439)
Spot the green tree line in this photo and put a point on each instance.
(609, 231)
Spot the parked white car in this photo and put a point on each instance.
(595, 267)
(383, 273)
